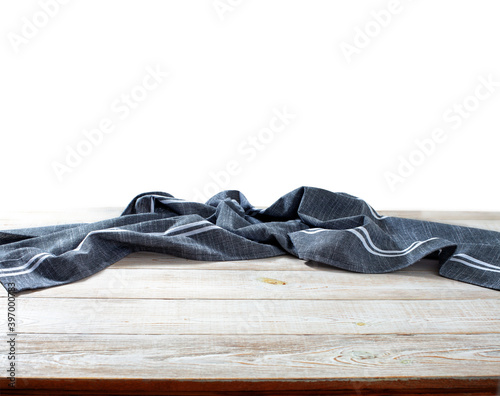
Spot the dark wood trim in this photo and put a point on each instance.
(372, 387)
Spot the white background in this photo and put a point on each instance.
(228, 69)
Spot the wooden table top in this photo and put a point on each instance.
(157, 324)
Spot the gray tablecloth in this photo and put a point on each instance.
(311, 223)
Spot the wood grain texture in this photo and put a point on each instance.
(157, 324)
(279, 263)
(230, 357)
(326, 284)
(191, 316)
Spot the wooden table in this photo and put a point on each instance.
(156, 324)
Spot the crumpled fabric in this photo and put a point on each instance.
(310, 223)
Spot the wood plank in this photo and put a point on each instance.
(143, 260)
(129, 316)
(36, 218)
(330, 284)
(442, 215)
(229, 357)
(492, 225)
(286, 262)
